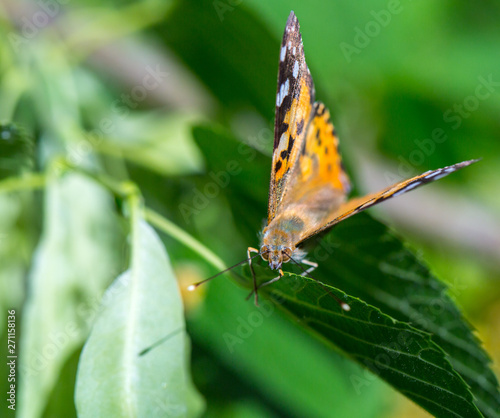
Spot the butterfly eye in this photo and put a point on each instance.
(286, 254)
(264, 252)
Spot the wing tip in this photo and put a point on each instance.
(292, 24)
(465, 163)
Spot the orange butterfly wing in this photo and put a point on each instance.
(359, 204)
(294, 101)
(318, 184)
(320, 163)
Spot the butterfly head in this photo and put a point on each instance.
(275, 255)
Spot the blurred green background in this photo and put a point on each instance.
(118, 86)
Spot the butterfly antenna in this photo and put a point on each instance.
(342, 304)
(195, 285)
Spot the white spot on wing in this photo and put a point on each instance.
(294, 49)
(283, 53)
(296, 69)
(399, 193)
(438, 176)
(440, 173)
(283, 143)
(407, 188)
(289, 44)
(283, 92)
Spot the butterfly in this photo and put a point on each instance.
(309, 186)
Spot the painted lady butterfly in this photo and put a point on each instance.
(309, 185)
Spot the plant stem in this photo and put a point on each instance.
(183, 237)
(25, 182)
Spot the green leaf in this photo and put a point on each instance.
(402, 355)
(369, 261)
(362, 257)
(276, 357)
(74, 262)
(16, 151)
(142, 307)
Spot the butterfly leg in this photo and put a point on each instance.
(272, 280)
(313, 265)
(266, 283)
(253, 250)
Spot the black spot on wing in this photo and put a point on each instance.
(318, 137)
(310, 86)
(284, 154)
(281, 129)
(278, 165)
(300, 127)
(291, 141)
(379, 199)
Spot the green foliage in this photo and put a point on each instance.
(115, 377)
(125, 116)
(73, 264)
(394, 350)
